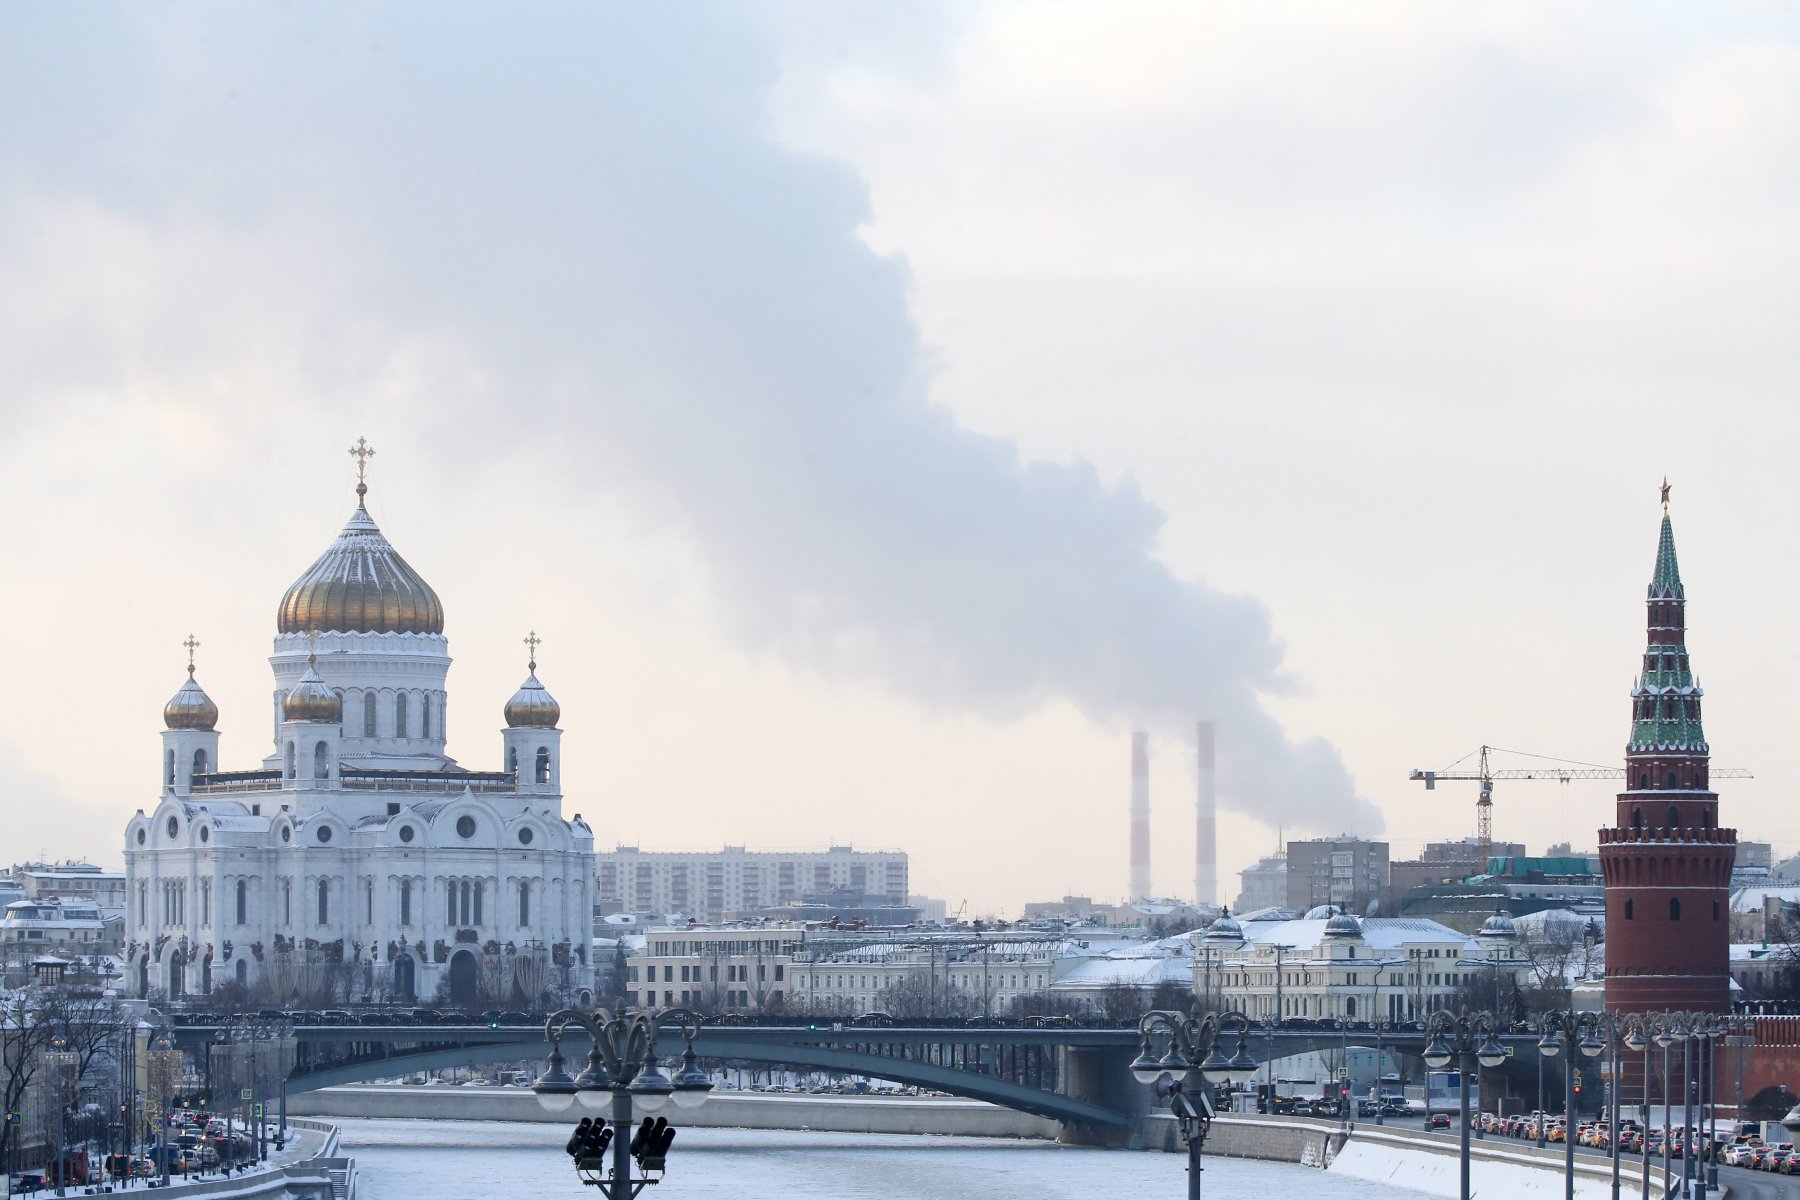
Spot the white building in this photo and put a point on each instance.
(75, 881)
(949, 974)
(717, 885)
(357, 860)
(1340, 967)
(32, 928)
(714, 968)
(1263, 885)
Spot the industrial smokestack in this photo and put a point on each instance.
(1206, 846)
(1140, 816)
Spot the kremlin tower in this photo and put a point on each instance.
(1666, 862)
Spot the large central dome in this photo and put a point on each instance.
(360, 585)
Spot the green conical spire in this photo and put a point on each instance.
(1667, 580)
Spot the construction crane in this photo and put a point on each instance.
(1557, 769)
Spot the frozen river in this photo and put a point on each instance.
(400, 1160)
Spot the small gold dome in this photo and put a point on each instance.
(532, 707)
(360, 585)
(312, 699)
(190, 708)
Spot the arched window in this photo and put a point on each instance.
(199, 762)
(512, 761)
(1674, 779)
(406, 902)
(543, 764)
(1630, 910)
(287, 902)
(1349, 1006)
(1674, 909)
(451, 919)
(290, 760)
(368, 901)
(1643, 781)
(321, 761)
(525, 904)
(477, 904)
(425, 715)
(171, 766)
(368, 714)
(1637, 818)
(400, 714)
(243, 901)
(1674, 813)
(324, 901)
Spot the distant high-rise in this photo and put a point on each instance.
(1140, 816)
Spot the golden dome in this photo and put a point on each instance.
(312, 699)
(360, 585)
(532, 707)
(190, 708)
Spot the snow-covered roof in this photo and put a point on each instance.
(1553, 924)
(1378, 933)
(1751, 900)
(1132, 972)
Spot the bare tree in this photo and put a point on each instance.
(1122, 1003)
(23, 1040)
(918, 994)
(1045, 1004)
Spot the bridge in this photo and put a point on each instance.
(1076, 1076)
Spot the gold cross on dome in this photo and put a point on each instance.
(362, 452)
(1665, 493)
(192, 643)
(534, 641)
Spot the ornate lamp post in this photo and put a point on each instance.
(622, 1071)
(1467, 1039)
(63, 1063)
(165, 1068)
(1194, 1055)
(1574, 1032)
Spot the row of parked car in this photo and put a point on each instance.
(1740, 1150)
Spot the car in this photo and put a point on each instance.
(1438, 1121)
(336, 1016)
(511, 1017)
(380, 1018)
(426, 1016)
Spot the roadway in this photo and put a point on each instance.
(1742, 1182)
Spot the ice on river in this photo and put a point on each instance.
(400, 1160)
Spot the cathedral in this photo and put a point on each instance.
(358, 863)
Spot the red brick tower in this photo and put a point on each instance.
(1666, 862)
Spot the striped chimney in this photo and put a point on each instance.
(1140, 816)
(1206, 846)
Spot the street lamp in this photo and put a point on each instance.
(64, 1062)
(1576, 1033)
(621, 1071)
(165, 1068)
(1467, 1039)
(1194, 1054)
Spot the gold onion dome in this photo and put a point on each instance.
(191, 707)
(360, 585)
(532, 707)
(312, 698)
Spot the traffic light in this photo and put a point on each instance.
(1578, 1083)
(587, 1145)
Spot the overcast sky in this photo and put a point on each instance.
(881, 410)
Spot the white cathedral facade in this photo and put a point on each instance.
(358, 863)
